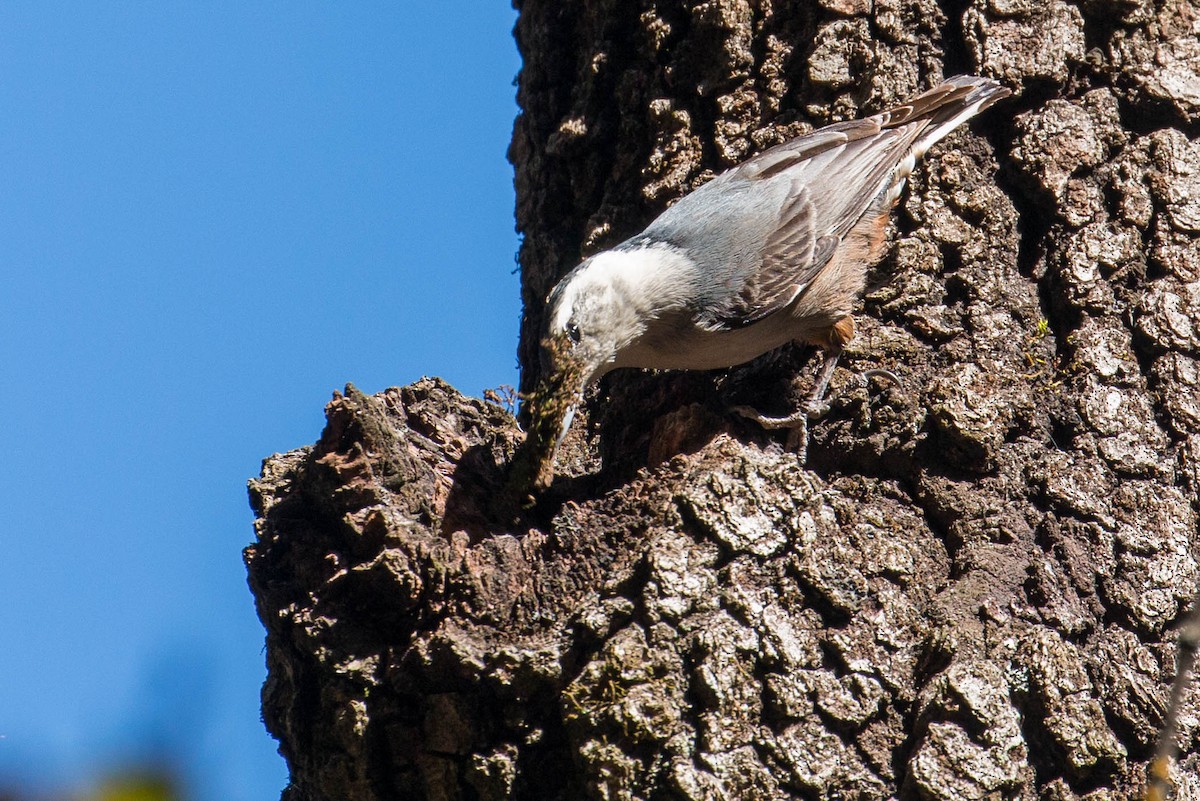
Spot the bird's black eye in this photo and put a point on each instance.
(573, 331)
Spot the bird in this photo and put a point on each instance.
(775, 249)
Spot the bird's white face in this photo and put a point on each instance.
(586, 326)
(586, 308)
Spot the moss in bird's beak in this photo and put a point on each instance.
(550, 405)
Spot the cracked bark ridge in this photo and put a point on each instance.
(972, 589)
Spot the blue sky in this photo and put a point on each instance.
(212, 215)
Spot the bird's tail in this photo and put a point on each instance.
(945, 107)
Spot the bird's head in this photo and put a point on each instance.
(585, 323)
(592, 315)
(595, 319)
(588, 321)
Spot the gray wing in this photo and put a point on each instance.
(793, 204)
(793, 253)
(828, 191)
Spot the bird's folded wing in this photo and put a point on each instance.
(834, 174)
(830, 188)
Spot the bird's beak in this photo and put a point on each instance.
(566, 425)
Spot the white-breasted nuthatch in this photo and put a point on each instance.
(773, 250)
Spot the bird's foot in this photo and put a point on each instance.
(796, 423)
(816, 408)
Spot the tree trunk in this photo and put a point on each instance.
(968, 591)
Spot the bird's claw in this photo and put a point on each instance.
(796, 423)
(876, 372)
(772, 423)
(816, 408)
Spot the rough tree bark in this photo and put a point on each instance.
(968, 592)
